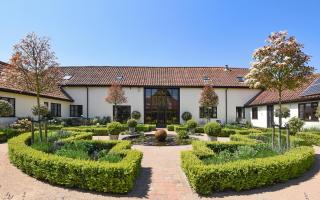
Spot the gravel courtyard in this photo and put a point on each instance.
(161, 178)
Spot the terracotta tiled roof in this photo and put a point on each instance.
(8, 85)
(271, 97)
(153, 76)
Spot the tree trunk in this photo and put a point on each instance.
(115, 118)
(272, 137)
(280, 120)
(39, 116)
(288, 137)
(208, 115)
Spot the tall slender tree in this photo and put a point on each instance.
(278, 66)
(116, 96)
(208, 99)
(34, 67)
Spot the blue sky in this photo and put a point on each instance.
(159, 33)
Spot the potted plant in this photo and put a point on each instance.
(191, 125)
(114, 129)
(186, 116)
(136, 115)
(212, 129)
(132, 123)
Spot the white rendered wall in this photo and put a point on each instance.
(24, 103)
(262, 116)
(98, 107)
(189, 101)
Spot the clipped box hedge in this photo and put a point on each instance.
(242, 174)
(85, 174)
(180, 128)
(310, 138)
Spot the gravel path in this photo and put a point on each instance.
(161, 178)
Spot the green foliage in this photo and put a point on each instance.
(191, 124)
(226, 132)
(6, 109)
(8, 133)
(170, 127)
(3, 137)
(285, 112)
(111, 158)
(212, 129)
(310, 138)
(295, 125)
(44, 146)
(23, 125)
(136, 115)
(100, 131)
(142, 128)
(186, 116)
(180, 128)
(244, 173)
(182, 134)
(42, 111)
(199, 129)
(85, 174)
(132, 123)
(115, 128)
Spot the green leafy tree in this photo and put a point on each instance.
(6, 109)
(278, 66)
(208, 100)
(34, 68)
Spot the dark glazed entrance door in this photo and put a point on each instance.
(162, 106)
(270, 116)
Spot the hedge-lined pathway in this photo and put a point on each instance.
(161, 178)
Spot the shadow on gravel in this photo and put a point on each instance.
(278, 186)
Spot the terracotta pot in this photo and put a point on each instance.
(114, 137)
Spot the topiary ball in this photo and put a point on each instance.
(161, 135)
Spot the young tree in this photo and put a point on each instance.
(208, 100)
(6, 109)
(280, 65)
(116, 96)
(34, 67)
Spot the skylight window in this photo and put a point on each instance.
(241, 79)
(67, 77)
(119, 78)
(206, 78)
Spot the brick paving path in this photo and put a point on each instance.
(161, 178)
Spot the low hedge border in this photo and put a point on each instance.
(8, 133)
(85, 174)
(310, 138)
(243, 174)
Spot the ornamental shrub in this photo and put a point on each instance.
(170, 127)
(136, 115)
(226, 132)
(285, 112)
(295, 125)
(142, 128)
(310, 138)
(115, 128)
(6, 109)
(75, 173)
(3, 137)
(241, 174)
(182, 134)
(191, 124)
(43, 111)
(212, 129)
(199, 129)
(179, 128)
(132, 123)
(186, 116)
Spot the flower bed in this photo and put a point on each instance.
(98, 176)
(241, 174)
